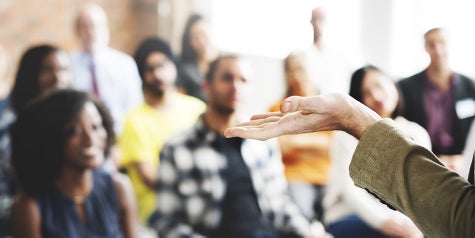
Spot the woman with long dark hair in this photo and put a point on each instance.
(351, 211)
(197, 52)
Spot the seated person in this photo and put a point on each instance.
(197, 52)
(306, 157)
(351, 211)
(442, 101)
(42, 69)
(217, 187)
(164, 113)
(58, 143)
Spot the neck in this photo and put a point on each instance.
(317, 42)
(219, 122)
(75, 184)
(203, 61)
(439, 75)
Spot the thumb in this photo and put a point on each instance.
(296, 103)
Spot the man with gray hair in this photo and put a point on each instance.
(111, 75)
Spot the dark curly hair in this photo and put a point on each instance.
(26, 79)
(40, 133)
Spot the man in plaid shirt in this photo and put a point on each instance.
(217, 187)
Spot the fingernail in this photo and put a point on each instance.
(286, 107)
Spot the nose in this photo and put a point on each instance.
(87, 136)
(157, 71)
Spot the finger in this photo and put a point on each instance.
(258, 122)
(263, 131)
(265, 115)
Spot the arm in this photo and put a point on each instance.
(138, 150)
(147, 173)
(127, 205)
(411, 179)
(171, 203)
(362, 203)
(25, 217)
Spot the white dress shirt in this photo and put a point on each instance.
(118, 80)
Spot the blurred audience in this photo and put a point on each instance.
(442, 101)
(164, 113)
(329, 67)
(217, 187)
(58, 143)
(42, 69)
(350, 211)
(306, 157)
(111, 75)
(197, 51)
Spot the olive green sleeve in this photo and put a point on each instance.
(410, 178)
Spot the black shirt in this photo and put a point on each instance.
(242, 216)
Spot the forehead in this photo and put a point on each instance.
(318, 13)
(90, 111)
(90, 15)
(156, 56)
(232, 65)
(373, 76)
(435, 35)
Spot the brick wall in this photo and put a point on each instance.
(28, 22)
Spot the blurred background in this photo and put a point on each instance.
(387, 33)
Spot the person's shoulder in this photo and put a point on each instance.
(411, 79)
(466, 80)
(25, 216)
(117, 56)
(190, 100)
(139, 111)
(25, 205)
(124, 189)
(186, 139)
(115, 52)
(121, 182)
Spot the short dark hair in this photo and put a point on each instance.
(188, 54)
(26, 80)
(357, 82)
(39, 135)
(148, 46)
(213, 66)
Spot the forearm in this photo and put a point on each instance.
(411, 179)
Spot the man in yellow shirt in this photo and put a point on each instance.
(164, 113)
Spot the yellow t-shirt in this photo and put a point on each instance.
(145, 132)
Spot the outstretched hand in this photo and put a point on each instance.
(334, 111)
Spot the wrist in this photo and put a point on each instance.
(363, 118)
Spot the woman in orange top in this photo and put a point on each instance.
(306, 156)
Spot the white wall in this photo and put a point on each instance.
(386, 33)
